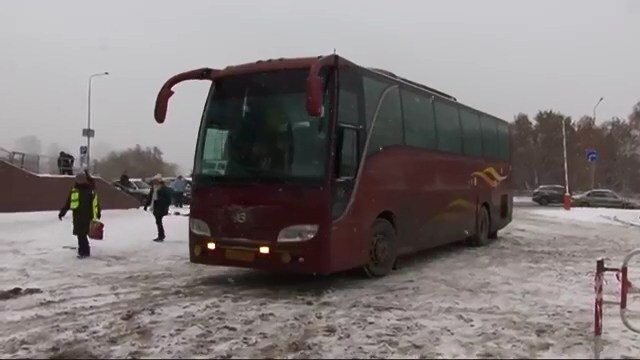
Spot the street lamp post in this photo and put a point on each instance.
(88, 132)
(593, 163)
(567, 196)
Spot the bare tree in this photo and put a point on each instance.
(537, 151)
(137, 162)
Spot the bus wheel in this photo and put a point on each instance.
(483, 224)
(382, 251)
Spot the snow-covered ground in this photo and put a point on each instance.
(594, 216)
(529, 294)
(522, 200)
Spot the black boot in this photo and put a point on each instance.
(160, 237)
(84, 249)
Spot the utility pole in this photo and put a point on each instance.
(566, 201)
(594, 162)
(88, 132)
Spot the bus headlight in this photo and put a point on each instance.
(297, 233)
(199, 227)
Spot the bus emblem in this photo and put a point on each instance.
(240, 216)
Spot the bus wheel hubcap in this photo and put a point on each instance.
(380, 249)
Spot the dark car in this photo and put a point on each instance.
(603, 198)
(548, 194)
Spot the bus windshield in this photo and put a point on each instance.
(256, 127)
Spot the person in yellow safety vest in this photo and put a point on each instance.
(83, 202)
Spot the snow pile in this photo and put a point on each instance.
(529, 294)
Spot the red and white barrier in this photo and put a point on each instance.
(625, 288)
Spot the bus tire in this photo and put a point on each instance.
(382, 253)
(483, 226)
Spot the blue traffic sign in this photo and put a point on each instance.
(592, 155)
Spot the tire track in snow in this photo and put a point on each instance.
(515, 298)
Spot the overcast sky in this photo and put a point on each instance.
(500, 56)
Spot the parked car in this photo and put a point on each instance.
(603, 198)
(548, 194)
(138, 188)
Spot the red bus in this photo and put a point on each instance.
(318, 165)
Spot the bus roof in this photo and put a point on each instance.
(413, 83)
(268, 65)
(305, 62)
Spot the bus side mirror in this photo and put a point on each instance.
(315, 85)
(162, 102)
(314, 96)
(165, 93)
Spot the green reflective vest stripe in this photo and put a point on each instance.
(74, 202)
(94, 204)
(75, 199)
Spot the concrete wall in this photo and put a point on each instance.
(22, 191)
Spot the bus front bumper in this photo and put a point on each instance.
(295, 258)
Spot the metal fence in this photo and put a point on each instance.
(36, 163)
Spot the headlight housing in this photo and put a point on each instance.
(297, 233)
(199, 227)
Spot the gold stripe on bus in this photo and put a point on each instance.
(483, 176)
(492, 171)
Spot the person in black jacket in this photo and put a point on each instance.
(124, 180)
(83, 201)
(65, 163)
(159, 199)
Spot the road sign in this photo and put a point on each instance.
(592, 155)
(88, 133)
(83, 150)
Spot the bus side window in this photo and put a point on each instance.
(489, 137)
(348, 152)
(387, 127)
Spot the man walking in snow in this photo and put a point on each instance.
(179, 186)
(83, 202)
(159, 199)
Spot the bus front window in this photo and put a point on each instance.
(256, 126)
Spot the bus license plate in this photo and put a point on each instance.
(240, 255)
